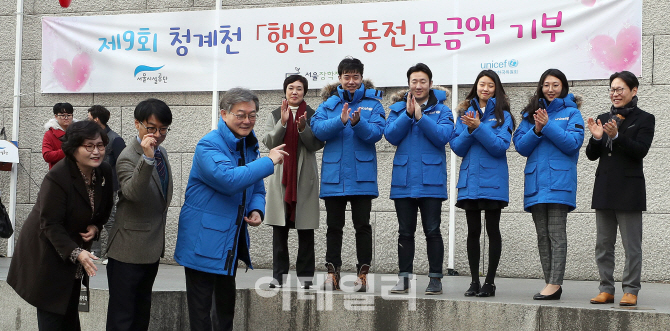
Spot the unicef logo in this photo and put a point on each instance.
(499, 65)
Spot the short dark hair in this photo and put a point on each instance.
(294, 78)
(235, 96)
(63, 107)
(350, 65)
(420, 67)
(77, 132)
(99, 112)
(627, 77)
(155, 107)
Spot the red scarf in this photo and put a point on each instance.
(290, 174)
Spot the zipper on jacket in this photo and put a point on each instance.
(229, 259)
(240, 217)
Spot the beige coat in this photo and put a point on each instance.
(307, 209)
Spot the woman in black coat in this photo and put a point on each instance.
(621, 139)
(52, 256)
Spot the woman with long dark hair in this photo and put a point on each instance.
(483, 134)
(550, 135)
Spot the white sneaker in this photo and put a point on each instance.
(275, 284)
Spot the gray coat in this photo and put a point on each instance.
(138, 235)
(307, 209)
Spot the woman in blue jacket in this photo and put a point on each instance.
(483, 134)
(550, 135)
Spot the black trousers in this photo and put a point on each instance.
(431, 212)
(304, 265)
(130, 287)
(211, 300)
(361, 205)
(48, 321)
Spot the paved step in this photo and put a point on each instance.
(291, 308)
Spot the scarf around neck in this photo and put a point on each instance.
(290, 173)
(620, 114)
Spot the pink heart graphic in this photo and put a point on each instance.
(620, 54)
(73, 77)
(589, 3)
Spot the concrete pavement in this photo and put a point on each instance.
(291, 308)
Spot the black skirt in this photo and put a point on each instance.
(480, 204)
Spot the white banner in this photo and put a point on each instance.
(256, 48)
(8, 152)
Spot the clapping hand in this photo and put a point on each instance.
(595, 127)
(356, 116)
(541, 118)
(345, 113)
(285, 112)
(417, 109)
(471, 121)
(611, 129)
(302, 122)
(410, 105)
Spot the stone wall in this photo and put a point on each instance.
(192, 120)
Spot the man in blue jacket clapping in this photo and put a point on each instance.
(420, 125)
(350, 121)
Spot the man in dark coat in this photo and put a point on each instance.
(621, 139)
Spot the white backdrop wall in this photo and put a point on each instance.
(192, 120)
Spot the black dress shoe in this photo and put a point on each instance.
(473, 290)
(554, 296)
(488, 290)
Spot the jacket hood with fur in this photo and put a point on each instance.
(465, 104)
(400, 95)
(53, 124)
(331, 89)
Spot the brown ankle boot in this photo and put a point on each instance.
(361, 283)
(332, 282)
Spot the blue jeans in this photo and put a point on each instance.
(431, 211)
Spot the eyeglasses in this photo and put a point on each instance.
(617, 90)
(152, 129)
(241, 117)
(66, 116)
(91, 147)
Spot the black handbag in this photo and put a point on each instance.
(6, 230)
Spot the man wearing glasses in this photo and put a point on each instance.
(225, 194)
(51, 144)
(137, 240)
